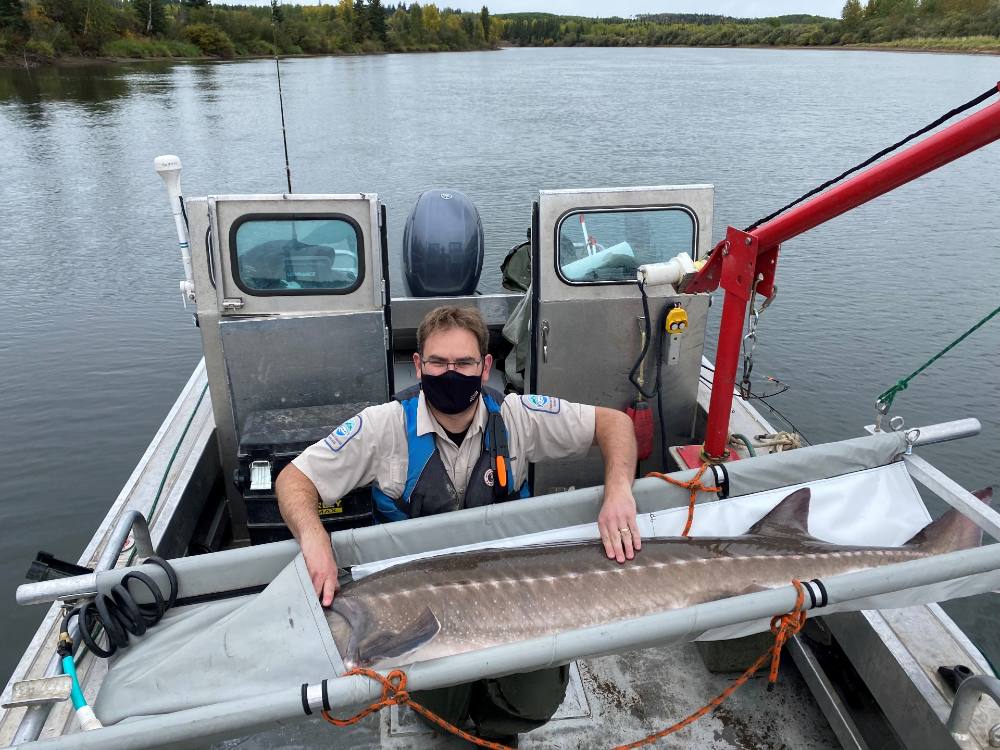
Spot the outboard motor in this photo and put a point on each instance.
(443, 245)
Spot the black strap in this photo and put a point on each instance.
(812, 596)
(305, 699)
(822, 590)
(326, 697)
(723, 482)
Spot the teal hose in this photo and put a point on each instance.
(746, 441)
(77, 694)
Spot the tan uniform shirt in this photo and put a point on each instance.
(371, 447)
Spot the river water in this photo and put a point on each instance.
(96, 344)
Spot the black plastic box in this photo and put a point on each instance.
(278, 436)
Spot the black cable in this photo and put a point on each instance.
(118, 613)
(943, 118)
(659, 390)
(184, 213)
(645, 348)
(658, 352)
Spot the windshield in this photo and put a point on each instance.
(609, 245)
(286, 254)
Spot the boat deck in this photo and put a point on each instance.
(612, 700)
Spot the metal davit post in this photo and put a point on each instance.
(745, 261)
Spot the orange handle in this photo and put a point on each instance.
(502, 471)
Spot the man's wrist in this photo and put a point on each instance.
(315, 540)
(617, 484)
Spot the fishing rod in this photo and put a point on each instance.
(284, 137)
(281, 104)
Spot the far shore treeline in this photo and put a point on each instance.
(43, 30)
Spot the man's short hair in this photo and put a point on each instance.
(446, 318)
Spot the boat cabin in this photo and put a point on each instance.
(301, 330)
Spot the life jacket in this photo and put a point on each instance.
(429, 490)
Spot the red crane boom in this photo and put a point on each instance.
(744, 258)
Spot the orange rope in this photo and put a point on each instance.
(783, 627)
(394, 684)
(694, 485)
(394, 693)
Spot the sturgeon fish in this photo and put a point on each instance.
(455, 603)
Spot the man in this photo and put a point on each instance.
(452, 443)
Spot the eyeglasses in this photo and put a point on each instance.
(436, 365)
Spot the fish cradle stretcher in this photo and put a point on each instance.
(268, 675)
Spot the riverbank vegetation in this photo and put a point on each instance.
(49, 29)
(920, 24)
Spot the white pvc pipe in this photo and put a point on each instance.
(669, 272)
(169, 169)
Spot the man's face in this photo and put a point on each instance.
(453, 345)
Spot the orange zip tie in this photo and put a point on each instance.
(783, 627)
(394, 684)
(694, 485)
(394, 693)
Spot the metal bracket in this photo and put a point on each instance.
(260, 475)
(40, 691)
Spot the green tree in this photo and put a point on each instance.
(484, 19)
(376, 20)
(152, 16)
(277, 14)
(359, 18)
(210, 39)
(12, 16)
(852, 14)
(416, 14)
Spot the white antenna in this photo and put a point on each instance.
(169, 169)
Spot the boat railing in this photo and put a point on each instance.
(132, 522)
(966, 699)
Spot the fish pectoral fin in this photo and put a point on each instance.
(384, 645)
(750, 588)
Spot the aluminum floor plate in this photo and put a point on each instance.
(611, 700)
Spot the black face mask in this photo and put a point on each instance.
(451, 392)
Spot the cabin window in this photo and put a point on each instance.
(609, 245)
(282, 254)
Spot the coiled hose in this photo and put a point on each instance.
(119, 614)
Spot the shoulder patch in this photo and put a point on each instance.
(547, 404)
(343, 434)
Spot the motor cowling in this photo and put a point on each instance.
(443, 245)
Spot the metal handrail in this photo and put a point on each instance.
(132, 521)
(86, 585)
(966, 699)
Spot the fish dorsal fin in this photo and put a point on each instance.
(790, 517)
(382, 645)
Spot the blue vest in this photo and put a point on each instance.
(429, 490)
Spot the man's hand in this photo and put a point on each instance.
(614, 433)
(298, 501)
(322, 568)
(617, 523)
